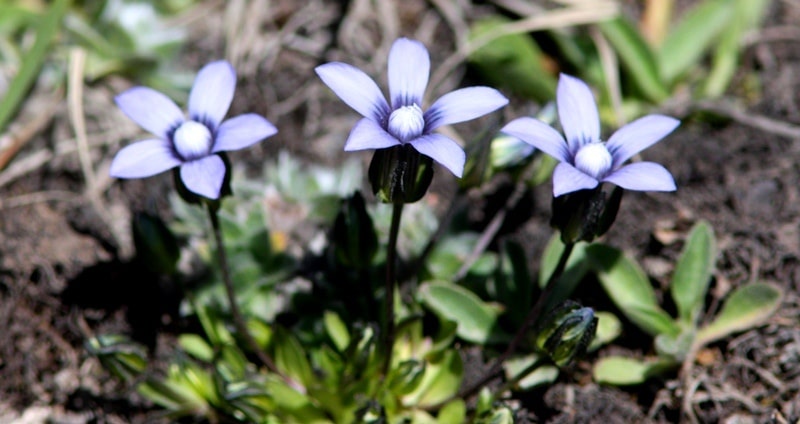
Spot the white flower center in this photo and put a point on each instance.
(594, 159)
(406, 123)
(192, 140)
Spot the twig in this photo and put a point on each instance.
(496, 223)
(597, 11)
(37, 197)
(748, 118)
(13, 141)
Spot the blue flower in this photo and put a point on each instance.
(585, 159)
(402, 121)
(191, 143)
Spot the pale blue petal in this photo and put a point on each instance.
(151, 109)
(642, 176)
(367, 134)
(443, 150)
(242, 131)
(355, 88)
(577, 112)
(567, 178)
(463, 105)
(144, 159)
(204, 176)
(639, 135)
(212, 93)
(409, 68)
(539, 135)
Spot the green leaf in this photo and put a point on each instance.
(624, 371)
(637, 58)
(746, 16)
(476, 319)
(440, 382)
(608, 328)
(453, 412)
(290, 357)
(747, 307)
(693, 272)
(513, 62)
(629, 288)
(687, 42)
(47, 29)
(337, 330)
(196, 346)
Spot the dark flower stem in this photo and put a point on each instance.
(391, 260)
(238, 319)
(530, 319)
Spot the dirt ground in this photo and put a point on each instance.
(60, 218)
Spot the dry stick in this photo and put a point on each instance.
(497, 221)
(532, 317)
(13, 141)
(391, 258)
(561, 18)
(238, 319)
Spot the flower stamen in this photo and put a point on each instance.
(594, 159)
(192, 140)
(406, 123)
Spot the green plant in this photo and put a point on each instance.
(676, 339)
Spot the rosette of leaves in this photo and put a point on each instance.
(677, 339)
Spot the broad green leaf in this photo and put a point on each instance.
(629, 288)
(453, 412)
(290, 357)
(337, 330)
(746, 16)
(747, 307)
(476, 319)
(536, 375)
(196, 346)
(514, 287)
(693, 272)
(693, 37)
(609, 328)
(637, 58)
(624, 371)
(46, 30)
(177, 398)
(512, 61)
(441, 381)
(675, 348)
(293, 403)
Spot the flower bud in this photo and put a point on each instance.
(156, 246)
(353, 236)
(585, 214)
(566, 332)
(400, 174)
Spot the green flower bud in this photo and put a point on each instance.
(400, 174)
(585, 214)
(156, 246)
(353, 236)
(566, 332)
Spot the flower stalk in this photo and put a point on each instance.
(238, 318)
(391, 260)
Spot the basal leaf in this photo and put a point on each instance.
(337, 330)
(748, 306)
(692, 38)
(693, 272)
(629, 288)
(513, 62)
(476, 319)
(636, 57)
(624, 371)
